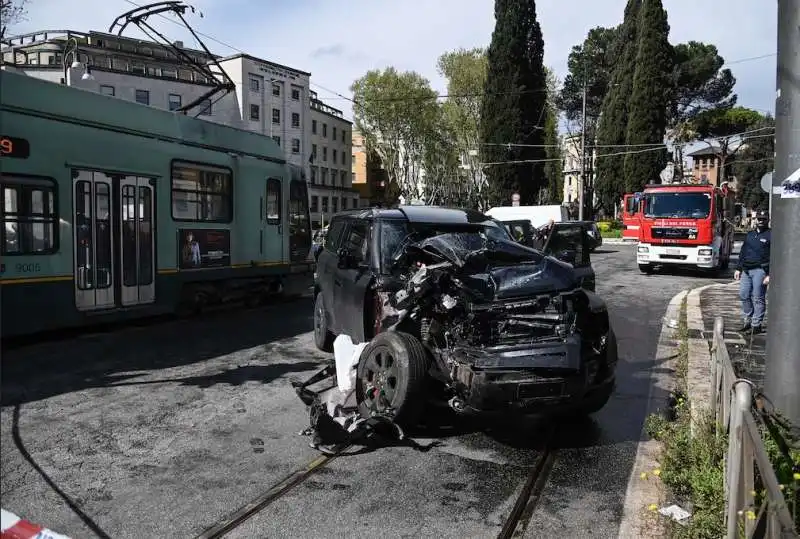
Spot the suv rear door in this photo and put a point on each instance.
(569, 242)
(352, 280)
(327, 267)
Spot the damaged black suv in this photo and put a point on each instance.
(451, 305)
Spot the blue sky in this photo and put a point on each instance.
(338, 41)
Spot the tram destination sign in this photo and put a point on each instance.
(16, 147)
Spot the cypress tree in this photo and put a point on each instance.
(612, 127)
(513, 110)
(652, 86)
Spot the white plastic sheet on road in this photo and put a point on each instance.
(13, 527)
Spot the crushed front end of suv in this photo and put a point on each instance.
(503, 328)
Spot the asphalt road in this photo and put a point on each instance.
(162, 431)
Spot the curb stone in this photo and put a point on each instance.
(637, 521)
(698, 375)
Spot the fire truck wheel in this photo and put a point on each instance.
(646, 268)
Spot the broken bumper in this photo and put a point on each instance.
(533, 379)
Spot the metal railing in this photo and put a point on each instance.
(732, 405)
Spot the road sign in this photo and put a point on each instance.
(766, 182)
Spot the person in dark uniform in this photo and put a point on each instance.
(753, 273)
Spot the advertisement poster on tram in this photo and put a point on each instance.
(204, 248)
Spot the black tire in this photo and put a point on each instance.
(323, 338)
(597, 400)
(391, 374)
(646, 268)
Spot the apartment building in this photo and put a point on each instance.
(369, 178)
(270, 98)
(331, 178)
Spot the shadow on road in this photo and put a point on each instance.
(72, 504)
(45, 370)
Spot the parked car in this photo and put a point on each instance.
(448, 295)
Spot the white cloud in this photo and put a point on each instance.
(338, 41)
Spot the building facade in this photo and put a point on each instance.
(331, 178)
(369, 178)
(269, 98)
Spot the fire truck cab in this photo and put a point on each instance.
(685, 224)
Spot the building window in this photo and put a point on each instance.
(324, 204)
(334, 133)
(276, 116)
(314, 126)
(313, 152)
(324, 130)
(174, 101)
(255, 112)
(335, 204)
(314, 204)
(201, 193)
(324, 153)
(313, 175)
(324, 177)
(295, 145)
(273, 201)
(344, 203)
(344, 175)
(334, 176)
(295, 119)
(277, 139)
(334, 157)
(255, 84)
(355, 202)
(107, 90)
(169, 72)
(143, 97)
(296, 94)
(344, 134)
(344, 158)
(205, 108)
(29, 216)
(276, 90)
(137, 68)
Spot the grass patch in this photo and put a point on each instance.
(613, 234)
(692, 467)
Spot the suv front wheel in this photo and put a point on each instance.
(323, 338)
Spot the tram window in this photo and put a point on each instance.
(274, 201)
(201, 193)
(30, 222)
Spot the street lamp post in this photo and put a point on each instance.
(70, 50)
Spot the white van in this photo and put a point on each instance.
(537, 215)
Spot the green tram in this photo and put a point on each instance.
(114, 210)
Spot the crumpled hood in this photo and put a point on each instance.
(499, 269)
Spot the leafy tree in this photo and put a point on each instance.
(700, 84)
(444, 184)
(592, 61)
(647, 119)
(756, 158)
(514, 104)
(396, 113)
(553, 171)
(613, 124)
(11, 12)
(725, 127)
(465, 71)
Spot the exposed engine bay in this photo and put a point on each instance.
(499, 325)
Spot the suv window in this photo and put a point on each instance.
(393, 233)
(569, 237)
(356, 240)
(334, 236)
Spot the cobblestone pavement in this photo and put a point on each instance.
(747, 351)
(160, 431)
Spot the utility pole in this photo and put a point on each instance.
(782, 378)
(583, 151)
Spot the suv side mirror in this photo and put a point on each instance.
(346, 259)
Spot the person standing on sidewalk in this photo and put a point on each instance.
(753, 273)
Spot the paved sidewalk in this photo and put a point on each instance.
(747, 351)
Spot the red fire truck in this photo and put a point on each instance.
(685, 224)
(630, 217)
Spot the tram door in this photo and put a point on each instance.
(114, 245)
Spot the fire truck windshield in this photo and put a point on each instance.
(677, 205)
